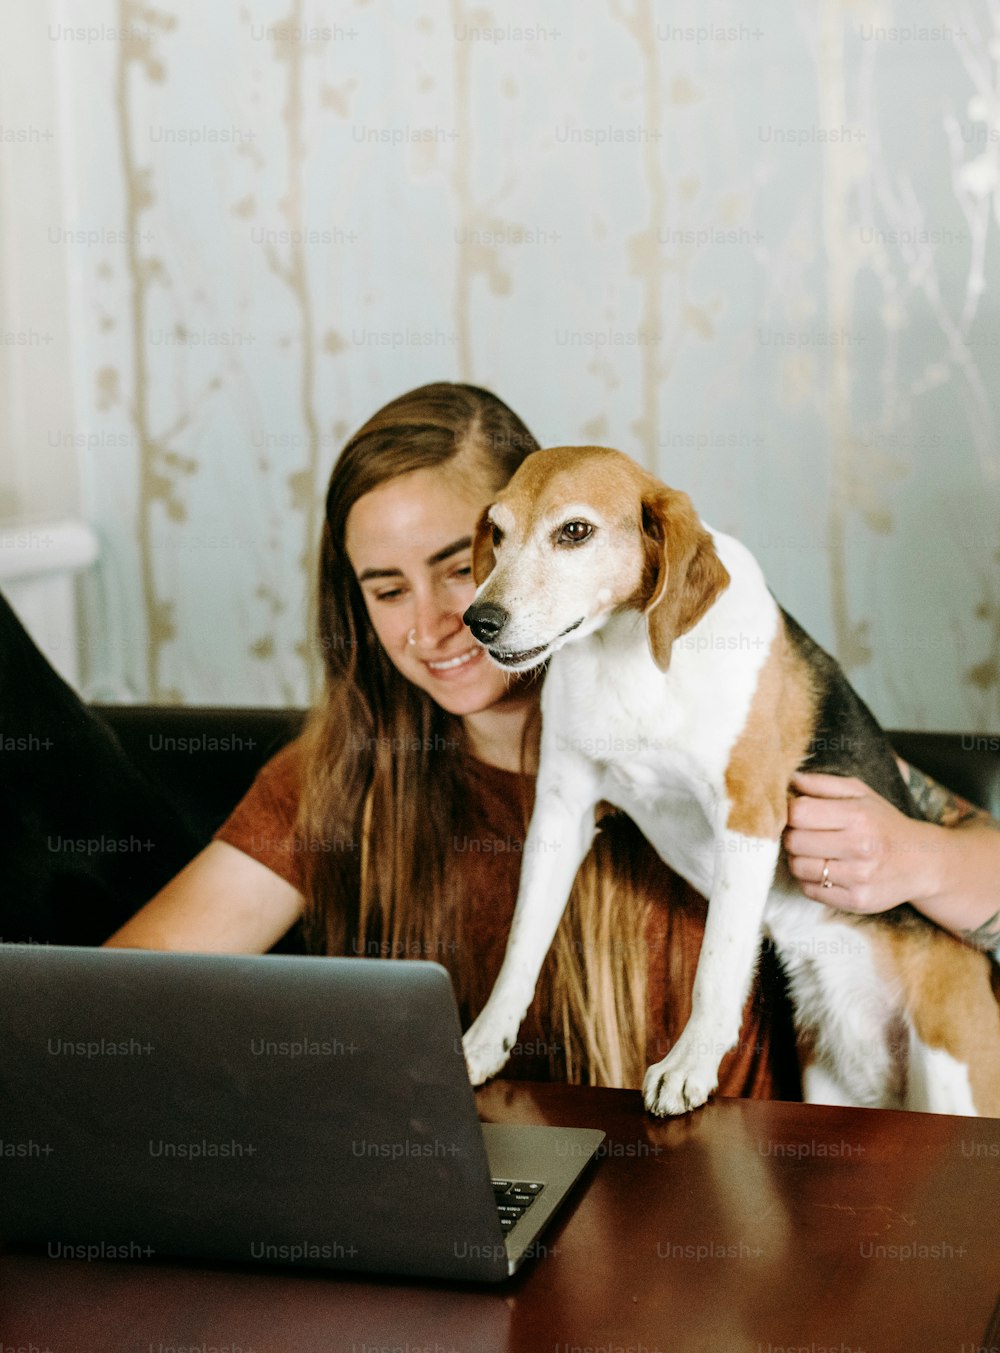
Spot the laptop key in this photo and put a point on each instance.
(513, 1198)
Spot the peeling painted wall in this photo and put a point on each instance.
(755, 247)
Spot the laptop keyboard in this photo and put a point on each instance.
(513, 1198)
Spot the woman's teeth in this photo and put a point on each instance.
(460, 661)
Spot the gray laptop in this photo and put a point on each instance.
(274, 1109)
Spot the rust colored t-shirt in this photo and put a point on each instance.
(763, 1065)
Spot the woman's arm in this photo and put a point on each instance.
(224, 901)
(876, 857)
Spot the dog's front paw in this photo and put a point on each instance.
(486, 1045)
(682, 1081)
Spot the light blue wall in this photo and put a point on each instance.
(792, 228)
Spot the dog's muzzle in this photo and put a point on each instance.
(486, 621)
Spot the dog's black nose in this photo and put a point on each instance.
(486, 621)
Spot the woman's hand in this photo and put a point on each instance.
(875, 856)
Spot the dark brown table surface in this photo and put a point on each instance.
(746, 1227)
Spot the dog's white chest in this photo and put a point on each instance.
(643, 782)
(632, 724)
(674, 819)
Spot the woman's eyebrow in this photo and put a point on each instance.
(437, 557)
(454, 548)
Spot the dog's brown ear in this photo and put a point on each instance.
(483, 557)
(684, 573)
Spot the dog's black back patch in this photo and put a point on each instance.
(848, 739)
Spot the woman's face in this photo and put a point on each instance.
(410, 544)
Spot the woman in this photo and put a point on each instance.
(393, 825)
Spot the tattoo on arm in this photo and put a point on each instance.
(940, 805)
(986, 936)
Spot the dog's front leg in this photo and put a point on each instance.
(559, 836)
(742, 876)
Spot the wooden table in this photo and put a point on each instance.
(747, 1227)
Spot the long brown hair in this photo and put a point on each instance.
(386, 774)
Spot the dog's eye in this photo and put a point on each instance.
(573, 532)
(496, 533)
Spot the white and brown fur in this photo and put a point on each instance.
(663, 639)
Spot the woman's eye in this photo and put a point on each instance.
(461, 577)
(391, 595)
(573, 532)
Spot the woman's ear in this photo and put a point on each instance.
(685, 570)
(483, 557)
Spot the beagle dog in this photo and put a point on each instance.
(662, 639)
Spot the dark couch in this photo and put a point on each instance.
(173, 774)
(174, 747)
(101, 805)
(204, 758)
